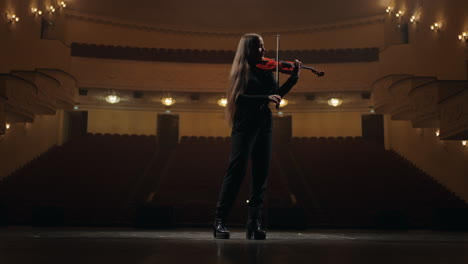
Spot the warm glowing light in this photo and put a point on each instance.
(168, 101)
(36, 11)
(13, 19)
(463, 37)
(62, 4)
(51, 9)
(399, 14)
(284, 102)
(413, 19)
(464, 143)
(436, 26)
(112, 99)
(7, 125)
(437, 132)
(222, 102)
(389, 9)
(335, 102)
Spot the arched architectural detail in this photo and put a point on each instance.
(425, 100)
(46, 97)
(209, 33)
(453, 110)
(381, 96)
(68, 89)
(403, 108)
(20, 94)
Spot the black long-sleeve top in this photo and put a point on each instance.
(262, 84)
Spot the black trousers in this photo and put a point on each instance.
(251, 136)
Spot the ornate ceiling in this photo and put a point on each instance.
(239, 15)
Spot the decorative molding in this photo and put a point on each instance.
(207, 101)
(453, 110)
(68, 89)
(404, 109)
(217, 56)
(45, 99)
(196, 31)
(20, 95)
(2, 115)
(381, 96)
(425, 100)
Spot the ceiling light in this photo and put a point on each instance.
(283, 103)
(335, 102)
(112, 98)
(222, 102)
(168, 101)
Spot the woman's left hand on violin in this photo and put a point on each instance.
(297, 68)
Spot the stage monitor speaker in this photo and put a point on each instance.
(167, 130)
(282, 130)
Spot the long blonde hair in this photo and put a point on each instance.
(239, 75)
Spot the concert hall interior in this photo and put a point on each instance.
(113, 131)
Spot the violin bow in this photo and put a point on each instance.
(277, 64)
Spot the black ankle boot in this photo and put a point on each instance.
(254, 225)
(220, 230)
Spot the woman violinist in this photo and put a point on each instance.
(249, 93)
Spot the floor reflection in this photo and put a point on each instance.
(87, 245)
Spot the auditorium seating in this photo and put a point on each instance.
(357, 182)
(329, 181)
(89, 177)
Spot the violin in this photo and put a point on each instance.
(287, 67)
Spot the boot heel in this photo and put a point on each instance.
(249, 234)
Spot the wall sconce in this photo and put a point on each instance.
(335, 102)
(437, 132)
(464, 143)
(168, 101)
(7, 125)
(51, 9)
(62, 4)
(399, 14)
(436, 27)
(284, 103)
(222, 102)
(413, 19)
(112, 98)
(463, 37)
(12, 19)
(389, 9)
(36, 12)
